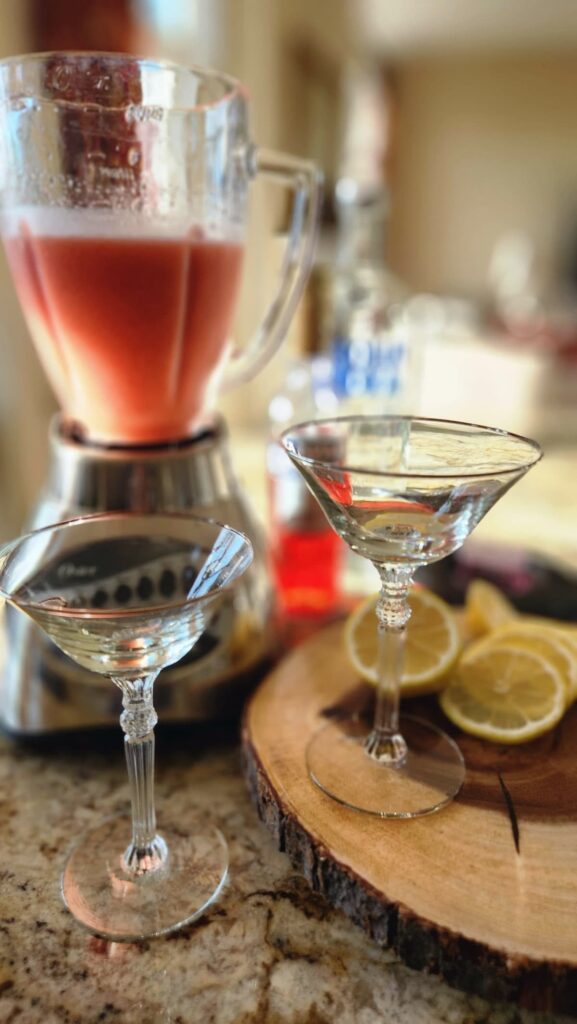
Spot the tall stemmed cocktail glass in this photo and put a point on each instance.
(125, 595)
(402, 492)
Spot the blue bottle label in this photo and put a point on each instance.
(371, 367)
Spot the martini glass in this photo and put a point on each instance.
(125, 595)
(403, 492)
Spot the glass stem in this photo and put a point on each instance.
(385, 742)
(147, 850)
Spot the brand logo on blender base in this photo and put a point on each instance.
(69, 571)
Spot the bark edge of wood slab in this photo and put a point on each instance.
(487, 969)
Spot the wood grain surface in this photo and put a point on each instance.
(483, 893)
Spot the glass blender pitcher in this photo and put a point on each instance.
(123, 205)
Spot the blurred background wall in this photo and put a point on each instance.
(487, 147)
(476, 146)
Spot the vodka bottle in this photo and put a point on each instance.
(368, 339)
(368, 336)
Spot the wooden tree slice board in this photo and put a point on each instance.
(483, 893)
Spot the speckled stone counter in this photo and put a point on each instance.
(269, 951)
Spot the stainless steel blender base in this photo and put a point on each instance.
(44, 691)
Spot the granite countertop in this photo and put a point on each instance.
(269, 951)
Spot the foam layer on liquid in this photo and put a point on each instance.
(91, 222)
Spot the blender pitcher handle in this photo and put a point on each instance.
(305, 179)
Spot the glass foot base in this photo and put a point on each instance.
(431, 774)
(115, 904)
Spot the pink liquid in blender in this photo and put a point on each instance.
(132, 331)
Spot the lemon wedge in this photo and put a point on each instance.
(432, 647)
(505, 694)
(486, 607)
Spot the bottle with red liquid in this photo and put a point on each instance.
(306, 555)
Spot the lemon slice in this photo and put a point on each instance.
(486, 607)
(432, 646)
(568, 630)
(545, 640)
(569, 640)
(505, 694)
